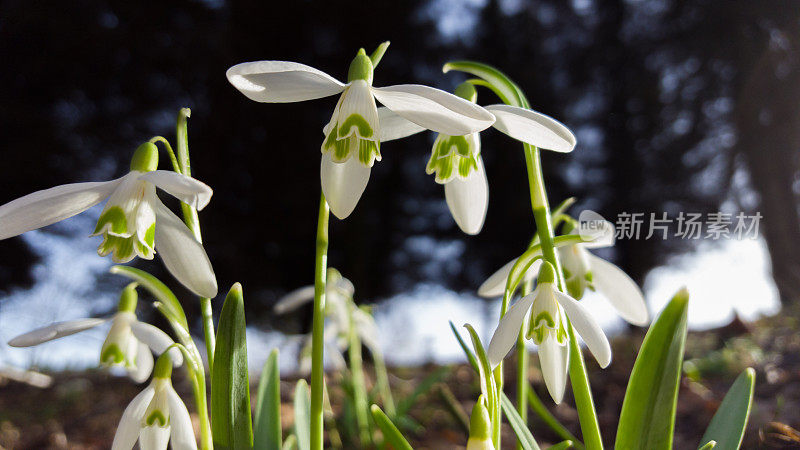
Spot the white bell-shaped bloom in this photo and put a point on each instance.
(156, 417)
(128, 344)
(584, 270)
(134, 221)
(357, 127)
(549, 308)
(457, 162)
(341, 313)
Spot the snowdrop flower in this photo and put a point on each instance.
(357, 127)
(549, 309)
(584, 270)
(133, 223)
(128, 343)
(457, 162)
(156, 417)
(341, 311)
(480, 427)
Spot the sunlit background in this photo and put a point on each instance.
(677, 106)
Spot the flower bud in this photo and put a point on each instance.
(145, 158)
(361, 68)
(480, 426)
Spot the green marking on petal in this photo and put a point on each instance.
(114, 216)
(451, 155)
(356, 120)
(121, 247)
(154, 416)
(368, 152)
(111, 355)
(150, 236)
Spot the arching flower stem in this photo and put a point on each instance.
(511, 94)
(318, 325)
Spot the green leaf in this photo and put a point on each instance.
(648, 411)
(728, 425)
(390, 432)
(268, 406)
(496, 80)
(709, 445)
(302, 415)
(470, 356)
(524, 436)
(563, 445)
(231, 423)
(158, 289)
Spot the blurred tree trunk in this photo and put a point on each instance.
(768, 122)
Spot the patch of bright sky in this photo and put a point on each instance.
(455, 19)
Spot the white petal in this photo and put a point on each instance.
(154, 438)
(554, 361)
(495, 285)
(294, 300)
(186, 189)
(343, 184)
(587, 327)
(394, 126)
(52, 205)
(182, 434)
(533, 127)
(358, 100)
(468, 199)
(54, 331)
(157, 340)
(183, 256)
(144, 363)
(507, 331)
(434, 109)
(130, 423)
(282, 81)
(623, 293)
(367, 330)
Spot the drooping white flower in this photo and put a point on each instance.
(156, 417)
(133, 223)
(584, 270)
(357, 127)
(458, 165)
(128, 344)
(549, 309)
(341, 313)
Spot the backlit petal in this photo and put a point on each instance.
(554, 360)
(507, 331)
(395, 126)
(434, 109)
(495, 285)
(533, 127)
(468, 199)
(587, 327)
(186, 189)
(343, 184)
(282, 81)
(130, 423)
(52, 205)
(54, 331)
(620, 290)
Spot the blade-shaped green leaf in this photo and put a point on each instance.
(524, 436)
(470, 356)
(267, 429)
(158, 289)
(648, 411)
(290, 443)
(563, 445)
(728, 425)
(302, 415)
(231, 422)
(709, 445)
(391, 434)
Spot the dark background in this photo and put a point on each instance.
(677, 106)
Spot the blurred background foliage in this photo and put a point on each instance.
(677, 106)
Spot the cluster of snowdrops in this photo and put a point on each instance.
(545, 283)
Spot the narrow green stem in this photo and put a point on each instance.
(317, 343)
(551, 421)
(206, 439)
(577, 369)
(382, 380)
(522, 367)
(359, 386)
(208, 332)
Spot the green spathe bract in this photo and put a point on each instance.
(647, 420)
